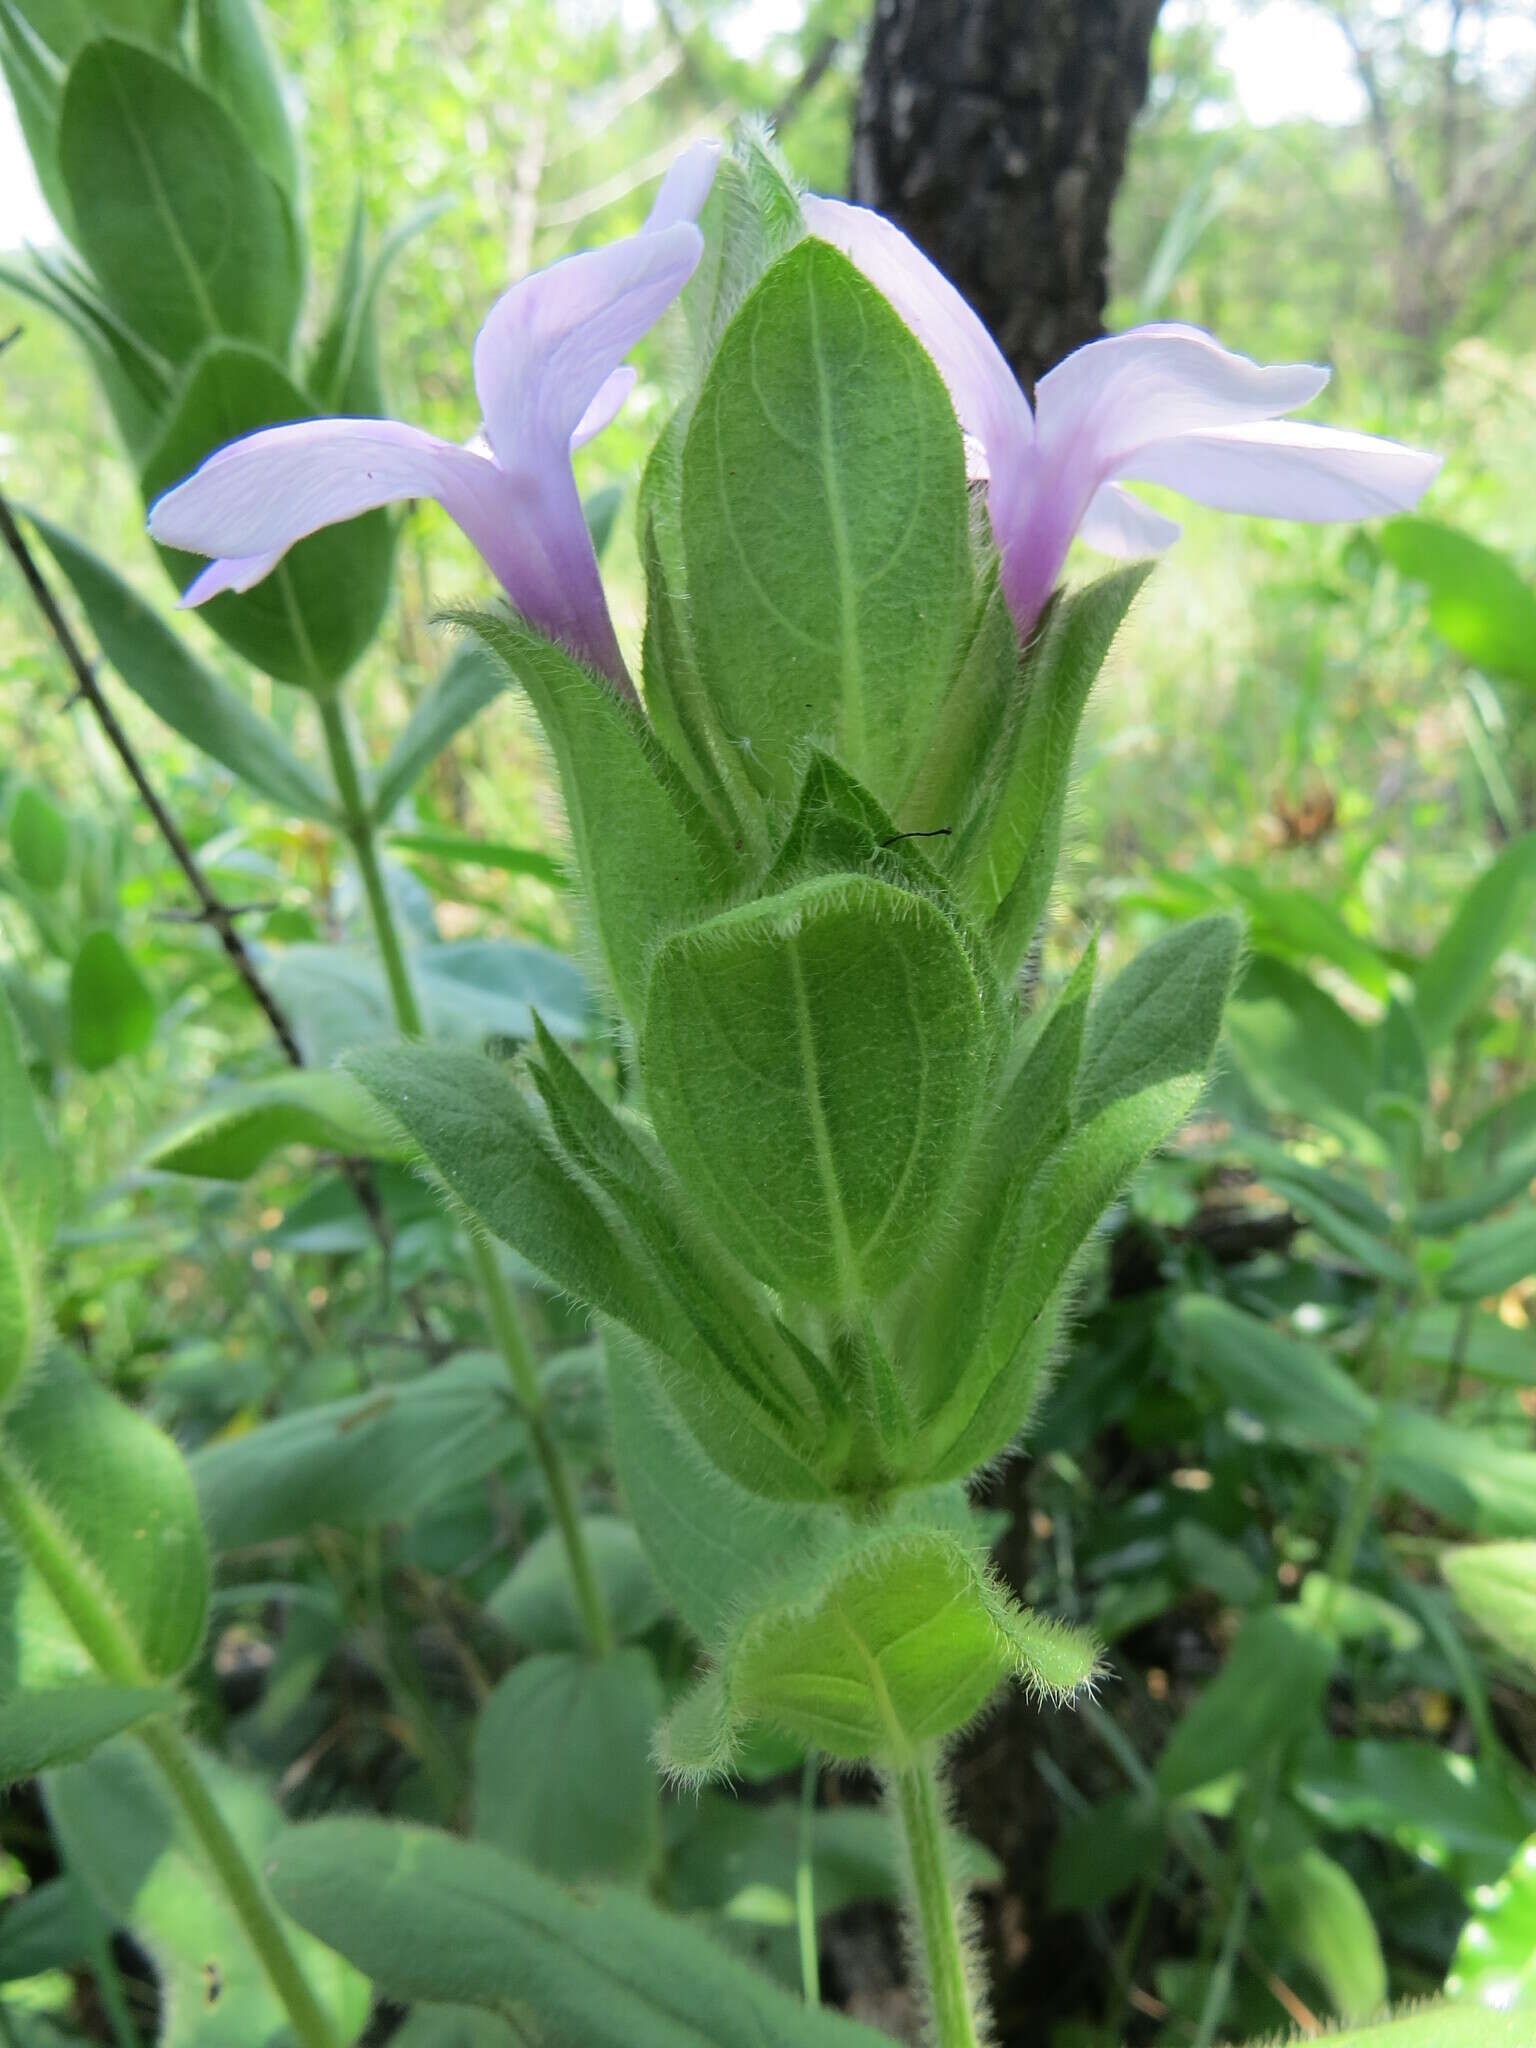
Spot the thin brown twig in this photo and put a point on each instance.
(212, 909)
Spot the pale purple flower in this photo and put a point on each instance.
(1161, 405)
(548, 374)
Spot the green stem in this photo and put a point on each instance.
(49, 1550)
(242, 1887)
(507, 1330)
(805, 1884)
(917, 1799)
(360, 836)
(1220, 1988)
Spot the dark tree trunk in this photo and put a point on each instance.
(994, 132)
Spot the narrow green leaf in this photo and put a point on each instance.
(1316, 1908)
(43, 1728)
(111, 1009)
(668, 864)
(1439, 2026)
(344, 372)
(163, 673)
(243, 1125)
(372, 1459)
(1160, 1017)
(1479, 603)
(1473, 1480)
(1434, 1805)
(32, 1169)
(1495, 912)
(813, 1063)
(429, 1917)
(1303, 1056)
(189, 236)
(825, 522)
(712, 1545)
(1492, 1257)
(235, 59)
(1004, 856)
(1496, 1584)
(468, 681)
(1271, 1684)
(1289, 1384)
(459, 849)
(563, 1771)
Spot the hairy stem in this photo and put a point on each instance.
(240, 1883)
(507, 1330)
(48, 1549)
(805, 1883)
(954, 2015)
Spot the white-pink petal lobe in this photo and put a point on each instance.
(1119, 524)
(1114, 397)
(230, 572)
(605, 408)
(683, 191)
(550, 343)
(1290, 469)
(271, 489)
(983, 390)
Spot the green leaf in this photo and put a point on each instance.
(1271, 1684)
(813, 1063)
(312, 617)
(1495, 1960)
(1493, 1257)
(32, 78)
(898, 1640)
(1477, 1344)
(1352, 1614)
(1439, 2026)
(78, 1470)
(429, 1917)
(1340, 1213)
(453, 2026)
(537, 1607)
(468, 681)
(1471, 1479)
(1496, 1584)
(121, 1830)
(1316, 1908)
(39, 1729)
(1100, 1854)
(460, 849)
(1494, 914)
(344, 372)
(713, 1546)
(669, 864)
(22, 1310)
(31, 1173)
(1441, 1808)
(235, 59)
(163, 673)
(563, 1772)
(1479, 603)
(1302, 1055)
(502, 1163)
(1160, 1017)
(1005, 854)
(54, 1926)
(243, 1125)
(375, 1458)
(825, 522)
(1289, 1384)
(39, 835)
(111, 1009)
(189, 236)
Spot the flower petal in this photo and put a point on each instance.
(604, 409)
(683, 191)
(250, 502)
(982, 388)
(1116, 523)
(1290, 469)
(550, 343)
(1114, 397)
